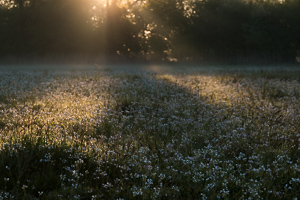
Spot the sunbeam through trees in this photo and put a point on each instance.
(231, 31)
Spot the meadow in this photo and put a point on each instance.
(150, 132)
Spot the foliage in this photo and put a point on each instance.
(211, 30)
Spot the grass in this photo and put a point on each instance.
(150, 132)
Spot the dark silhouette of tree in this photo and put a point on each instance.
(230, 31)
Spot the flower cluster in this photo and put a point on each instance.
(149, 132)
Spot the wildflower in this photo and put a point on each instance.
(24, 187)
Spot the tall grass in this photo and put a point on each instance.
(150, 132)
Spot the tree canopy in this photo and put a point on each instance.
(170, 30)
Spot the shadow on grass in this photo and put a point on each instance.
(154, 134)
(184, 123)
(31, 170)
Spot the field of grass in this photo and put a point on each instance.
(149, 132)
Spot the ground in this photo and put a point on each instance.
(149, 132)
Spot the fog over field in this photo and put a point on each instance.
(149, 99)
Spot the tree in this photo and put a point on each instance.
(208, 30)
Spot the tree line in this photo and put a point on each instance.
(228, 31)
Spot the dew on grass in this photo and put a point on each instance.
(125, 134)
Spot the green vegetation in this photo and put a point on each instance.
(213, 31)
(150, 132)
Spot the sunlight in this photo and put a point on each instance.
(80, 127)
(121, 3)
